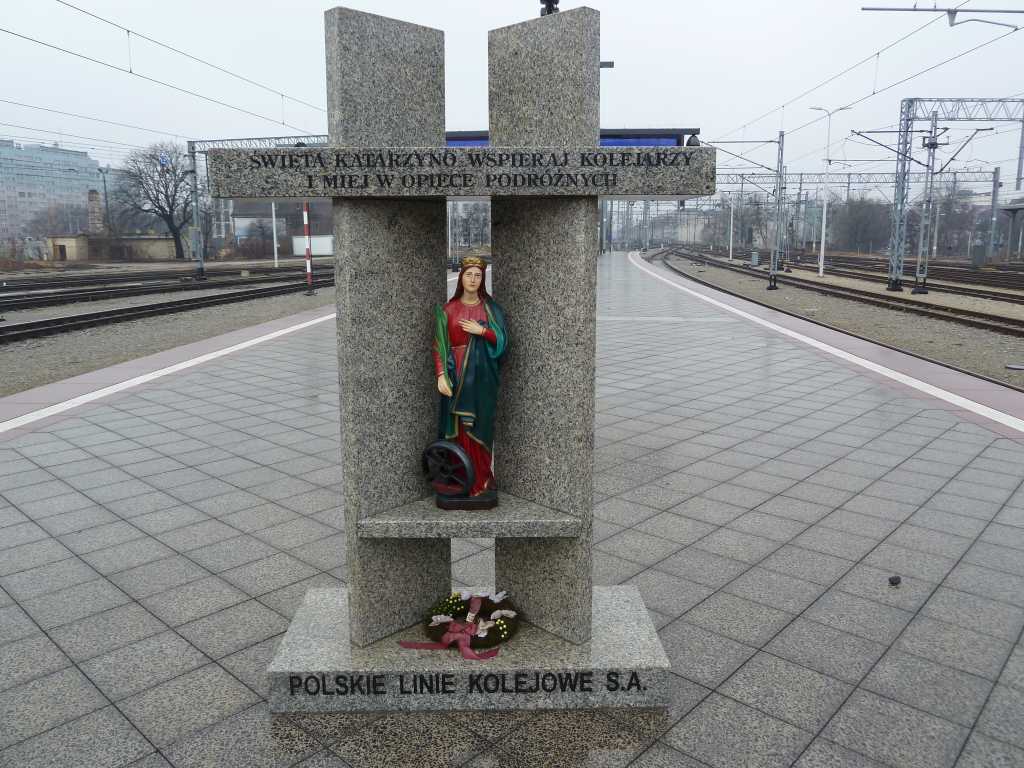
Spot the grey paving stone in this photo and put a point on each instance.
(294, 533)
(1003, 715)
(77, 520)
(31, 657)
(47, 578)
(948, 522)
(825, 754)
(667, 594)
(638, 547)
(622, 512)
(286, 601)
(775, 589)
(251, 737)
(100, 537)
(231, 553)
(777, 529)
(136, 506)
(131, 554)
(708, 510)
(974, 612)
(425, 738)
(1013, 673)
(33, 555)
(893, 733)
(141, 665)
(702, 567)
(168, 519)
(610, 570)
(858, 616)
(101, 739)
(233, 628)
(725, 733)
(270, 573)
(737, 545)
(816, 567)
(324, 554)
(788, 691)
(194, 600)
(700, 655)
(32, 708)
(833, 542)
(553, 737)
(902, 561)
(955, 647)
(227, 503)
(197, 535)
(21, 533)
(826, 649)
(795, 509)
(250, 665)
(924, 684)
(748, 622)
(73, 603)
(984, 752)
(262, 516)
(158, 576)
(656, 496)
(992, 556)
(659, 755)
(10, 516)
(178, 708)
(873, 583)
(677, 528)
(105, 631)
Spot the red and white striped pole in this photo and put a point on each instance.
(309, 249)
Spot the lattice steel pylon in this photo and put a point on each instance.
(947, 110)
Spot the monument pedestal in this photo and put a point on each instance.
(319, 669)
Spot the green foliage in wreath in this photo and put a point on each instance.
(505, 627)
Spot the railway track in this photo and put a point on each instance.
(16, 299)
(18, 331)
(1006, 325)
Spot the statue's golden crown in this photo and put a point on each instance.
(473, 261)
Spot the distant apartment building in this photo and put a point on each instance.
(36, 177)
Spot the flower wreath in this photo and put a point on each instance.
(471, 621)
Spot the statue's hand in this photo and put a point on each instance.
(442, 386)
(472, 326)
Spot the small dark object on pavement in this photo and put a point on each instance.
(894, 581)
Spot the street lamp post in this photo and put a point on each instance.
(106, 201)
(828, 166)
(732, 209)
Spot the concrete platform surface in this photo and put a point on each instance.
(757, 490)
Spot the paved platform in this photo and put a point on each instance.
(757, 487)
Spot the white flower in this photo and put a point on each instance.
(497, 597)
(465, 594)
(502, 614)
(482, 627)
(440, 619)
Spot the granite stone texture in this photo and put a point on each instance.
(385, 84)
(513, 517)
(318, 669)
(544, 88)
(386, 172)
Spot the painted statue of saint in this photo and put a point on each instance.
(469, 342)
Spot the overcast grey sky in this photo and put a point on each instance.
(714, 64)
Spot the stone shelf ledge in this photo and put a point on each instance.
(512, 518)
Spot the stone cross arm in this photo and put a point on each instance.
(389, 172)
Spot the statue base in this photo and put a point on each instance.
(318, 669)
(486, 500)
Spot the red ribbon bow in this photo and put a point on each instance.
(460, 634)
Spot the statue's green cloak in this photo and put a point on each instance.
(475, 387)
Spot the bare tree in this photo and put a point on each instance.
(156, 181)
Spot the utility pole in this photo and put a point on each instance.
(990, 252)
(780, 226)
(197, 231)
(828, 168)
(273, 227)
(106, 200)
(732, 210)
(931, 143)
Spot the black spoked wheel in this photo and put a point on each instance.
(448, 468)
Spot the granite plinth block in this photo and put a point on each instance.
(318, 669)
(553, 171)
(513, 517)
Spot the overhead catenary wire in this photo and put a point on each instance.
(93, 119)
(154, 80)
(187, 55)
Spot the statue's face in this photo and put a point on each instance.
(471, 279)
